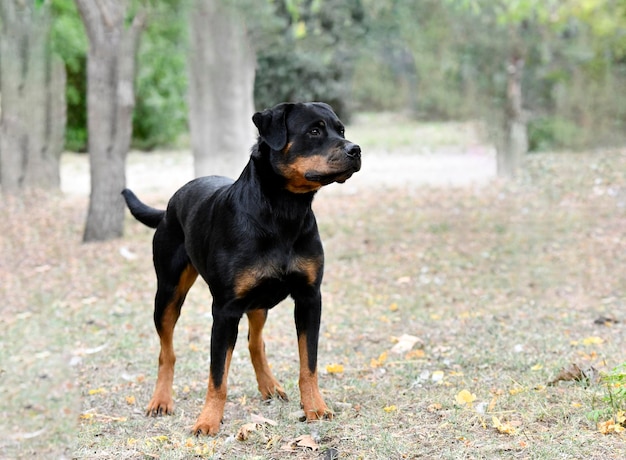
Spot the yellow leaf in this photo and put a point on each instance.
(393, 307)
(97, 391)
(130, 400)
(189, 443)
(415, 354)
(610, 426)
(465, 397)
(131, 441)
(593, 340)
(537, 367)
(378, 362)
(334, 368)
(161, 438)
(515, 390)
(504, 428)
(86, 416)
(389, 409)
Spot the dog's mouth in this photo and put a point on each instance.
(329, 178)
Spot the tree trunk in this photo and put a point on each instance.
(221, 88)
(110, 101)
(514, 146)
(32, 124)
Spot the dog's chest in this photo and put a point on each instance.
(286, 272)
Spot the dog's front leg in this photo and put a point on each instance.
(223, 339)
(308, 315)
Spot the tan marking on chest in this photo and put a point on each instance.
(250, 277)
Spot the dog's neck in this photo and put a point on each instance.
(272, 195)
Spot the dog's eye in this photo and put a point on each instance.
(342, 131)
(315, 132)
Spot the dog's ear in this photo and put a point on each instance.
(272, 125)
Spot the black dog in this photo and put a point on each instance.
(254, 241)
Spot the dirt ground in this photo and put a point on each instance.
(498, 286)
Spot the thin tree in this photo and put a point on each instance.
(111, 63)
(32, 84)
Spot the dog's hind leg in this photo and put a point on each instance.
(175, 276)
(268, 385)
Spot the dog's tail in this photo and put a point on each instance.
(142, 212)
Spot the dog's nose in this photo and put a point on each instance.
(353, 151)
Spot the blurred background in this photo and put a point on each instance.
(105, 76)
(437, 60)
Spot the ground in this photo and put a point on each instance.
(452, 302)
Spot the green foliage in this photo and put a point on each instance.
(448, 60)
(614, 398)
(68, 40)
(160, 115)
(545, 133)
(309, 54)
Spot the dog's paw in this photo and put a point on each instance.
(273, 392)
(206, 427)
(322, 413)
(158, 407)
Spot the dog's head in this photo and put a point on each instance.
(306, 145)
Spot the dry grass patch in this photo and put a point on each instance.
(497, 288)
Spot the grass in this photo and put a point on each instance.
(502, 284)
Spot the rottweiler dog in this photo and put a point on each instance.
(254, 241)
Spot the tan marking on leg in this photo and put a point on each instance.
(209, 420)
(268, 385)
(162, 402)
(312, 402)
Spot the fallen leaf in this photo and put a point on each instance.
(504, 428)
(437, 376)
(515, 390)
(434, 407)
(390, 409)
(593, 340)
(573, 372)
(130, 400)
(405, 343)
(96, 391)
(465, 397)
(334, 368)
(262, 420)
(610, 426)
(537, 367)
(306, 441)
(415, 354)
(605, 321)
(378, 362)
(245, 430)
